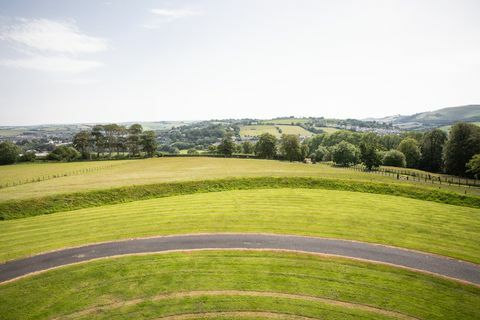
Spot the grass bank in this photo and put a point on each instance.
(423, 225)
(163, 170)
(132, 287)
(14, 209)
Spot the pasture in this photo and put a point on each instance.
(158, 170)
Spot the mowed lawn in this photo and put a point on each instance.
(202, 282)
(157, 170)
(422, 225)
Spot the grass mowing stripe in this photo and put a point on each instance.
(409, 223)
(240, 294)
(15, 209)
(70, 289)
(176, 308)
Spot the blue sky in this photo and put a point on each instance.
(67, 61)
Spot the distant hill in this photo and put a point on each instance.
(436, 118)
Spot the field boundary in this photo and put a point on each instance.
(14, 209)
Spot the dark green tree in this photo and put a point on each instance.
(320, 154)
(369, 154)
(248, 147)
(345, 154)
(473, 166)
(410, 148)
(8, 152)
(394, 158)
(290, 147)
(134, 138)
(266, 146)
(98, 139)
(149, 143)
(227, 146)
(432, 150)
(82, 142)
(462, 144)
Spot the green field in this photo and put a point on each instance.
(422, 225)
(296, 130)
(159, 170)
(256, 130)
(284, 121)
(328, 130)
(201, 282)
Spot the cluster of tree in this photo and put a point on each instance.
(432, 151)
(110, 138)
(11, 153)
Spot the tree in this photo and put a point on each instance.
(290, 147)
(63, 153)
(314, 142)
(345, 154)
(462, 144)
(81, 142)
(432, 150)
(409, 147)
(339, 136)
(133, 139)
(266, 147)
(8, 152)
(368, 151)
(227, 146)
(149, 143)
(192, 151)
(473, 166)
(320, 154)
(390, 141)
(394, 158)
(248, 147)
(98, 139)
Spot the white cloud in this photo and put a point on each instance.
(49, 45)
(49, 35)
(55, 64)
(175, 13)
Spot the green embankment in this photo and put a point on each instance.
(163, 170)
(15, 209)
(423, 225)
(144, 287)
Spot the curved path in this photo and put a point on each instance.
(460, 270)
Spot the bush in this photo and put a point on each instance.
(63, 153)
(394, 158)
(410, 148)
(321, 153)
(28, 157)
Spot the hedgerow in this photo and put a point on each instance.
(14, 209)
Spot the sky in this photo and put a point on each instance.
(67, 61)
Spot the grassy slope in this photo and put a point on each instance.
(422, 225)
(256, 130)
(159, 170)
(113, 281)
(286, 129)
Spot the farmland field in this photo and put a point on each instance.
(157, 170)
(286, 129)
(256, 130)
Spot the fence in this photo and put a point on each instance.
(55, 175)
(411, 175)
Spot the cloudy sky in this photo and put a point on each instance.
(67, 61)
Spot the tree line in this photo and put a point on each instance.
(457, 153)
